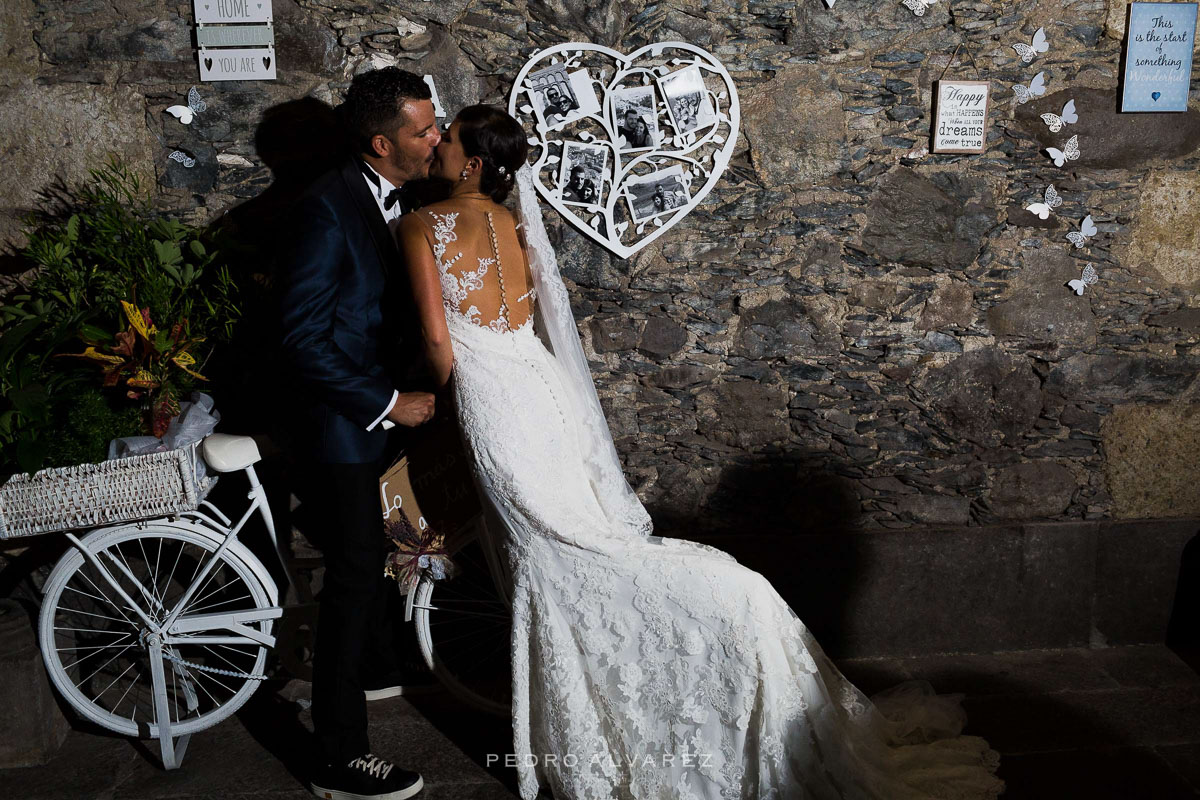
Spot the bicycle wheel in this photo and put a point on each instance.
(464, 629)
(97, 647)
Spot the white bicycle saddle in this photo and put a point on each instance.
(226, 453)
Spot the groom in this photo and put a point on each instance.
(351, 342)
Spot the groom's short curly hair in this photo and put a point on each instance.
(374, 104)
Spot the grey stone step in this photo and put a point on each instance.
(975, 589)
(1105, 724)
(265, 751)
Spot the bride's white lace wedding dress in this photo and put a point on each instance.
(650, 668)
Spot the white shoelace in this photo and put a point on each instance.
(373, 765)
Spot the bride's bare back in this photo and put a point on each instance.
(465, 257)
(480, 260)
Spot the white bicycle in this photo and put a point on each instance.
(161, 628)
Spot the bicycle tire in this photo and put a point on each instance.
(445, 613)
(74, 575)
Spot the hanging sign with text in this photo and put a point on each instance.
(236, 40)
(235, 36)
(960, 121)
(229, 12)
(257, 64)
(1158, 56)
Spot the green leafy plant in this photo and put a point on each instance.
(125, 305)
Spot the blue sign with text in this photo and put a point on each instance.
(1158, 56)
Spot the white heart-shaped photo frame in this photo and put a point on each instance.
(625, 158)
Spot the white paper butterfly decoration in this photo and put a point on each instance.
(183, 158)
(918, 7)
(1067, 117)
(1028, 52)
(1087, 279)
(1087, 229)
(195, 105)
(1036, 88)
(1070, 152)
(1043, 209)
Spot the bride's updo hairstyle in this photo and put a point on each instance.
(499, 141)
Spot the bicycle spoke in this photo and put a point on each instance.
(197, 569)
(252, 653)
(157, 561)
(114, 619)
(471, 614)
(108, 600)
(121, 699)
(89, 655)
(178, 555)
(192, 610)
(464, 599)
(97, 631)
(442, 641)
(129, 573)
(201, 674)
(150, 576)
(114, 680)
(137, 583)
(102, 666)
(236, 667)
(86, 594)
(204, 586)
(99, 616)
(486, 662)
(92, 647)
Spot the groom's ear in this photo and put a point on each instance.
(381, 146)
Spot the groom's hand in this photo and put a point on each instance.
(412, 409)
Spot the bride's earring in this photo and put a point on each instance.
(463, 175)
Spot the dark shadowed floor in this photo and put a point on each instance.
(1117, 723)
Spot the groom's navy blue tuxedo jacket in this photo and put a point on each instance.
(349, 326)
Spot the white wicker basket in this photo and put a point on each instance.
(92, 495)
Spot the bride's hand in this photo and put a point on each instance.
(412, 409)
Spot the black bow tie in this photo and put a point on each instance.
(394, 196)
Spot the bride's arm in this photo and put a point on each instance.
(427, 292)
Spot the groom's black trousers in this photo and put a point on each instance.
(355, 631)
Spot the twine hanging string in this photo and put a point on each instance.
(953, 55)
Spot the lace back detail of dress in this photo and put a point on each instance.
(458, 286)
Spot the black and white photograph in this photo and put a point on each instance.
(656, 194)
(635, 117)
(582, 176)
(559, 97)
(687, 100)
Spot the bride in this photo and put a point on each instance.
(643, 668)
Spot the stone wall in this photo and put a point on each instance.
(849, 332)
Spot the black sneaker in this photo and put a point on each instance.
(366, 778)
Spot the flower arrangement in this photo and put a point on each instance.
(124, 307)
(144, 359)
(416, 551)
